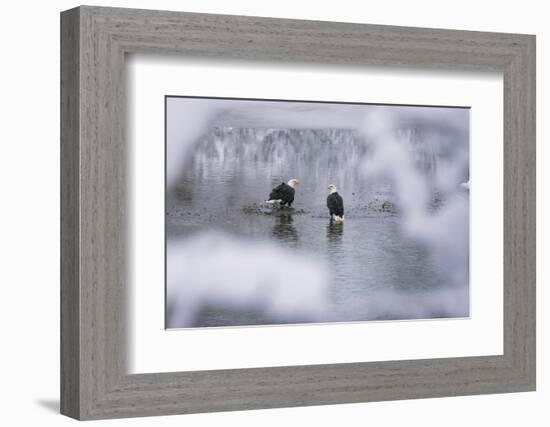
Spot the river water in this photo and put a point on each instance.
(374, 269)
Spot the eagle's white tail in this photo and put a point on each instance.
(273, 201)
(337, 218)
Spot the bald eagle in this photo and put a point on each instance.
(283, 194)
(335, 204)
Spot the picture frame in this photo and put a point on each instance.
(94, 268)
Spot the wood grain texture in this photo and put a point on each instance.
(70, 292)
(95, 274)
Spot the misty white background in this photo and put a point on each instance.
(29, 233)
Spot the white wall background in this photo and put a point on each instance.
(29, 225)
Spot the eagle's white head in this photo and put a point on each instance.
(332, 188)
(293, 182)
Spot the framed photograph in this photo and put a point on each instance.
(262, 213)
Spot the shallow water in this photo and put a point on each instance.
(364, 256)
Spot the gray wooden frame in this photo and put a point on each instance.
(94, 382)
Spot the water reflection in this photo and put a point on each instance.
(284, 229)
(335, 232)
